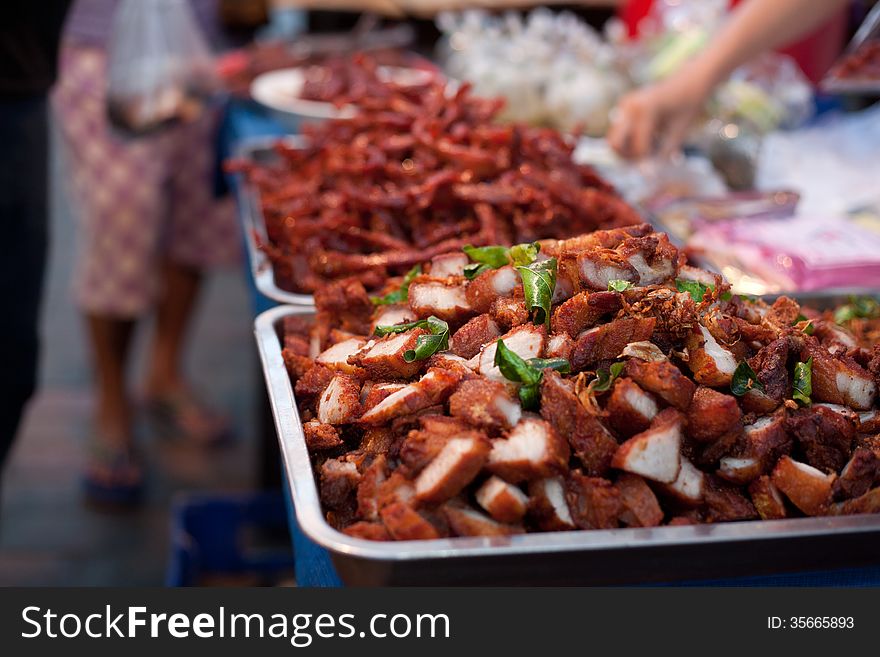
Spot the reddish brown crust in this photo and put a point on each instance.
(470, 338)
(464, 521)
(389, 366)
(663, 379)
(606, 342)
(767, 499)
(405, 524)
(595, 503)
(582, 311)
(475, 402)
(321, 437)
(810, 492)
(370, 531)
(640, 507)
(457, 474)
(712, 414)
(625, 418)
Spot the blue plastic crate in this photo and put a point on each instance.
(213, 535)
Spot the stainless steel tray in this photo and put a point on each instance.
(251, 213)
(617, 556)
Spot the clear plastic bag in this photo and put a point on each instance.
(160, 68)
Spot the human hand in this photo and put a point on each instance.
(656, 118)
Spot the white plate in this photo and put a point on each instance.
(280, 91)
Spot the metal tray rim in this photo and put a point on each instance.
(254, 224)
(310, 517)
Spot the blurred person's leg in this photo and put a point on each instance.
(23, 217)
(121, 196)
(202, 235)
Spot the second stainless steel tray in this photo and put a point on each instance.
(254, 225)
(618, 556)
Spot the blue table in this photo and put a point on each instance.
(313, 564)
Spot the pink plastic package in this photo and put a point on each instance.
(792, 254)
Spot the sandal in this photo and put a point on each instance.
(182, 415)
(114, 477)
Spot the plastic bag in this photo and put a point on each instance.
(160, 68)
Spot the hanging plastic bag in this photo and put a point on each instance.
(160, 68)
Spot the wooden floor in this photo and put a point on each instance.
(47, 536)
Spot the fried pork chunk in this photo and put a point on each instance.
(525, 341)
(639, 505)
(858, 475)
(454, 467)
(339, 479)
(501, 500)
(711, 364)
(434, 387)
(583, 311)
(340, 402)
(532, 450)
(663, 379)
(320, 437)
(767, 499)
(824, 436)
(490, 286)
(548, 507)
(485, 404)
(599, 267)
(606, 342)
(808, 489)
(630, 409)
(404, 523)
(839, 380)
(465, 521)
(441, 299)
(448, 264)
(382, 358)
(656, 452)
(594, 502)
(712, 414)
(336, 357)
(470, 338)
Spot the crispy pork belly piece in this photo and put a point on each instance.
(709, 455)
(380, 440)
(725, 503)
(630, 409)
(422, 445)
(382, 358)
(470, 338)
(391, 315)
(489, 286)
(465, 521)
(590, 441)
(675, 313)
(689, 273)
(582, 311)
(825, 436)
(336, 357)
(526, 341)
(434, 387)
(448, 361)
(689, 486)
(532, 450)
(829, 334)
(548, 507)
(369, 487)
(296, 343)
(448, 264)
(663, 379)
(311, 384)
(784, 312)
(867, 503)
(654, 258)
(858, 475)
(321, 437)
(486, 405)
(372, 393)
(766, 440)
(606, 342)
(771, 366)
(839, 380)
(711, 364)
(295, 364)
(808, 489)
(509, 312)
(639, 504)
(397, 487)
(454, 467)
(767, 499)
(504, 502)
(594, 502)
(740, 470)
(599, 267)
(340, 402)
(869, 422)
(339, 479)
(348, 303)
(444, 301)
(369, 531)
(405, 524)
(559, 346)
(655, 452)
(711, 415)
